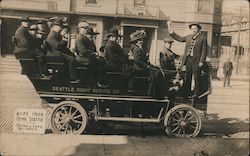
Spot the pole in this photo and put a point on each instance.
(238, 44)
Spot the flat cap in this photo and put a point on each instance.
(33, 27)
(83, 24)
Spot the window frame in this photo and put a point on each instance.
(88, 2)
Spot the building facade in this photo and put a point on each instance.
(126, 15)
(235, 43)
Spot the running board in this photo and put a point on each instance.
(128, 119)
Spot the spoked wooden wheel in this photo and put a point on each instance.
(69, 118)
(182, 121)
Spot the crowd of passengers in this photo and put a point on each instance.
(50, 37)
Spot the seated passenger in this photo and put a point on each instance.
(41, 40)
(58, 47)
(167, 62)
(137, 54)
(23, 39)
(37, 51)
(139, 58)
(42, 25)
(115, 57)
(65, 33)
(85, 46)
(167, 56)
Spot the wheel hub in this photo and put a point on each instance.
(183, 123)
(68, 119)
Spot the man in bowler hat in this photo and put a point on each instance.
(194, 55)
(23, 39)
(58, 47)
(115, 57)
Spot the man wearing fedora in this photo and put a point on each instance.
(37, 52)
(194, 55)
(58, 47)
(42, 25)
(115, 57)
(23, 39)
(167, 56)
(41, 40)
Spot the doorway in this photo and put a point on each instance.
(8, 29)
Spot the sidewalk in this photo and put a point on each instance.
(119, 145)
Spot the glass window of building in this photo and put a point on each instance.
(218, 7)
(204, 5)
(139, 2)
(91, 1)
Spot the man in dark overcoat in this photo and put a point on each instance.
(227, 71)
(194, 55)
(115, 57)
(167, 56)
(58, 47)
(85, 47)
(37, 52)
(23, 39)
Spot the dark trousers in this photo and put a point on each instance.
(71, 63)
(227, 78)
(193, 69)
(39, 57)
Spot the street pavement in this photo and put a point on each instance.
(225, 130)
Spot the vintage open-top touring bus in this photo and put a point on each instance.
(159, 99)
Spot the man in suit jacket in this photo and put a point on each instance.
(194, 54)
(23, 39)
(227, 71)
(85, 46)
(58, 47)
(114, 53)
(167, 56)
(37, 52)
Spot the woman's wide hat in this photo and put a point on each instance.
(135, 36)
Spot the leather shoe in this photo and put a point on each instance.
(74, 81)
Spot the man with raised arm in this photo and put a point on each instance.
(194, 55)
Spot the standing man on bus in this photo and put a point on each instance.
(194, 55)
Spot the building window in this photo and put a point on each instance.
(139, 2)
(217, 7)
(91, 1)
(241, 52)
(204, 5)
